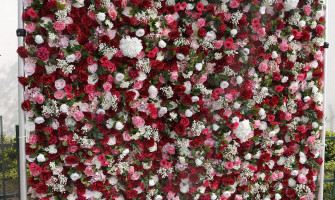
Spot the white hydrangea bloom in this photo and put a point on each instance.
(131, 46)
(243, 129)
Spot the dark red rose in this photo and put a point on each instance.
(317, 74)
(174, 35)
(45, 176)
(131, 194)
(73, 28)
(289, 65)
(41, 188)
(26, 105)
(179, 89)
(82, 76)
(184, 50)
(305, 36)
(228, 181)
(72, 160)
(23, 53)
(246, 94)
(23, 80)
(243, 35)
(290, 192)
(202, 32)
(130, 95)
(156, 64)
(180, 129)
(265, 157)
(196, 142)
(194, 178)
(48, 79)
(184, 121)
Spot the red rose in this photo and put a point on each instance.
(174, 35)
(156, 64)
(196, 142)
(48, 79)
(41, 188)
(72, 160)
(305, 36)
(130, 95)
(317, 74)
(228, 181)
(26, 105)
(180, 129)
(23, 53)
(184, 50)
(82, 76)
(45, 176)
(131, 194)
(202, 32)
(179, 89)
(290, 192)
(265, 157)
(89, 88)
(246, 94)
(184, 121)
(194, 178)
(73, 28)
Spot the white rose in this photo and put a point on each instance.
(140, 32)
(188, 86)
(93, 68)
(315, 125)
(113, 181)
(236, 105)
(39, 120)
(211, 36)
(239, 80)
(213, 196)
(162, 111)
(101, 16)
(152, 182)
(64, 108)
(302, 158)
(215, 127)
(302, 24)
(60, 84)
(180, 56)
(78, 4)
(233, 32)
(262, 10)
(40, 158)
(125, 152)
(158, 197)
(119, 77)
(198, 66)
(195, 99)
(284, 79)
(198, 162)
(184, 187)
(188, 113)
(291, 182)
(70, 58)
(75, 176)
(30, 127)
(72, 197)
(277, 196)
(97, 194)
(111, 141)
(119, 126)
(274, 54)
(263, 126)
(153, 92)
(290, 4)
(161, 44)
(224, 84)
(39, 39)
(247, 156)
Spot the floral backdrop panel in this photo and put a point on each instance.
(173, 99)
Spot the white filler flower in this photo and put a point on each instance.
(243, 129)
(131, 46)
(291, 4)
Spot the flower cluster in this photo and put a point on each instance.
(173, 99)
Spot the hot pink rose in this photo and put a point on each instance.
(78, 115)
(302, 179)
(89, 88)
(59, 26)
(34, 169)
(171, 149)
(218, 44)
(138, 121)
(112, 13)
(307, 9)
(234, 4)
(107, 86)
(263, 67)
(39, 98)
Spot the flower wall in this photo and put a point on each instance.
(155, 99)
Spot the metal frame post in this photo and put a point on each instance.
(22, 138)
(323, 134)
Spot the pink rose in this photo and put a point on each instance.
(174, 75)
(39, 98)
(171, 149)
(126, 136)
(302, 179)
(59, 26)
(261, 32)
(93, 68)
(135, 176)
(209, 142)
(274, 176)
(283, 46)
(89, 88)
(78, 115)
(60, 84)
(234, 4)
(237, 161)
(257, 123)
(112, 13)
(78, 55)
(107, 86)
(203, 78)
(32, 139)
(73, 149)
(201, 22)
(29, 69)
(30, 28)
(169, 18)
(263, 67)
(238, 197)
(218, 44)
(59, 94)
(318, 56)
(311, 140)
(138, 121)
(89, 171)
(138, 85)
(307, 9)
